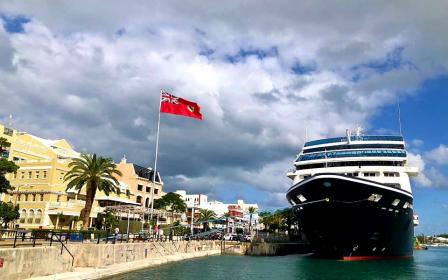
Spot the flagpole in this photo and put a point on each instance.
(155, 161)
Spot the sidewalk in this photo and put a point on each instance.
(81, 273)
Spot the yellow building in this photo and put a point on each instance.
(39, 187)
(139, 179)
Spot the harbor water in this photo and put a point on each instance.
(430, 264)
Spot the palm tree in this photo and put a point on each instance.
(252, 210)
(95, 173)
(205, 216)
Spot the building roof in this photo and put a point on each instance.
(146, 173)
(61, 147)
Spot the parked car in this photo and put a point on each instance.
(227, 237)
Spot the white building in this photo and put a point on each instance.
(200, 201)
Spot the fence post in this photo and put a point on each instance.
(98, 242)
(34, 238)
(51, 238)
(15, 240)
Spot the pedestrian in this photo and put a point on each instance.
(116, 230)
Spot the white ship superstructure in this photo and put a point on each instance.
(380, 159)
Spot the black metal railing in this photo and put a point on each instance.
(59, 239)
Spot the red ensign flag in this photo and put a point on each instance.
(171, 104)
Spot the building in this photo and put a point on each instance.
(238, 212)
(39, 187)
(140, 181)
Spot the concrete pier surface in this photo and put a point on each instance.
(81, 273)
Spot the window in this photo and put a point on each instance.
(140, 188)
(15, 175)
(44, 175)
(22, 175)
(26, 197)
(38, 216)
(18, 197)
(147, 202)
(30, 174)
(156, 191)
(139, 199)
(41, 197)
(58, 199)
(370, 174)
(37, 174)
(30, 216)
(23, 216)
(391, 174)
(34, 197)
(148, 189)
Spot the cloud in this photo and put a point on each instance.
(438, 155)
(416, 160)
(262, 73)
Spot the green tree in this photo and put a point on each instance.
(205, 216)
(110, 220)
(3, 145)
(94, 173)
(8, 213)
(171, 202)
(265, 218)
(6, 166)
(252, 211)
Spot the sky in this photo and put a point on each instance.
(263, 73)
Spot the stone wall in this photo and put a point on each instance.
(21, 263)
(99, 255)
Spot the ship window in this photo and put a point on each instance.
(406, 205)
(370, 174)
(301, 198)
(395, 202)
(391, 174)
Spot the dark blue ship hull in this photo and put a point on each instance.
(354, 219)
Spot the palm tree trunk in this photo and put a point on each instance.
(85, 212)
(250, 225)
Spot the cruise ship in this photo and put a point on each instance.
(352, 196)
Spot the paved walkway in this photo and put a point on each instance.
(81, 273)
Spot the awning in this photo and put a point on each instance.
(117, 199)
